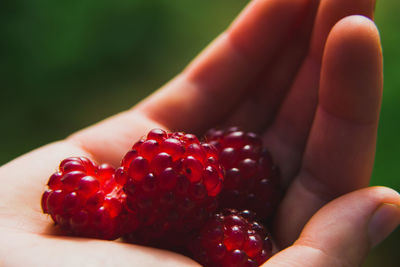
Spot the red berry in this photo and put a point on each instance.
(171, 181)
(84, 199)
(229, 238)
(251, 177)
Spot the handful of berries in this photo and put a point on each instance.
(203, 199)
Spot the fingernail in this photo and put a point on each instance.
(384, 220)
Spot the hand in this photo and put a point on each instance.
(303, 73)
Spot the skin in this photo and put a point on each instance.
(306, 75)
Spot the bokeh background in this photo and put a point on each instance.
(67, 64)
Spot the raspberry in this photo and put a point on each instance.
(84, 199)
(232, 238)
(251, 177)
(171, 181)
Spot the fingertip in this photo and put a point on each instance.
(357, 37)
(358, 26)
(385, 194)
(352, 71)
(362, 218)
(342, 232)
(332, 11)
(384, 221)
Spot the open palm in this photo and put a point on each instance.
(306, 75)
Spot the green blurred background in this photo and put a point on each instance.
(67, 64)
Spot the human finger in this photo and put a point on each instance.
(209, 87)
(343, 232)
(208, 90)
(340, 150)
(287, 135)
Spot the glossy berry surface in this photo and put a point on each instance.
(84, 199)
(171, 181)
(232, 238)
(252, 180)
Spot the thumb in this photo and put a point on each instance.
(343, 231)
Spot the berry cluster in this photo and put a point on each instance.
(251, 177)
(84, 199)
(232, 238)
(171, 181)
(174, 192)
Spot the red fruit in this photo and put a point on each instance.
(251, 177)
(84, 199)
(171, 181)
(232, 238)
